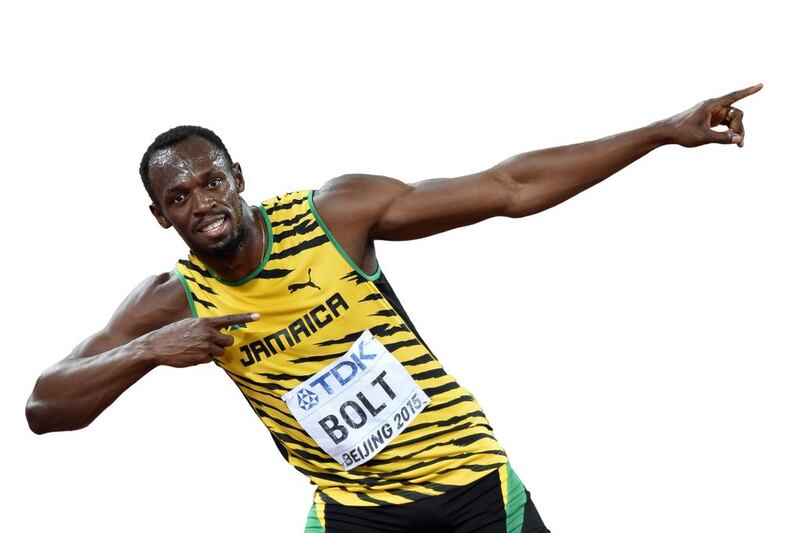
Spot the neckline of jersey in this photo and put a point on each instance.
(255, 271)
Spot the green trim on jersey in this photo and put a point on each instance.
(264, 259)
(186, 291)
(369, 277)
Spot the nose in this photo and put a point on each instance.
(202, 202)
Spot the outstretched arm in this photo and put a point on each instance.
(360, 208)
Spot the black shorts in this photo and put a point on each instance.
(496, 503)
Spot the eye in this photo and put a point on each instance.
(213, 182)
(178, 198)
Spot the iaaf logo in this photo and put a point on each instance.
(307, 399)
(343, 372)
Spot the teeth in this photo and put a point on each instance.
(213, 225)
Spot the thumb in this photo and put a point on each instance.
(724, 137)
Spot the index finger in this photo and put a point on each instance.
(230, 320)
(730, 98)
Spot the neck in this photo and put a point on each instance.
(248, 254)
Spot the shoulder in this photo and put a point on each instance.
(155, 302)
(352, 198)
(359, 185)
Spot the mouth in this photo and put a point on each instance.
(213, 226)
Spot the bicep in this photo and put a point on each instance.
(436, 205)
(389, 209)
(156, 302)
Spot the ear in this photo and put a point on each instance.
(237, 175)
(162, 220)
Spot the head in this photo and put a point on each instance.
(194, 187)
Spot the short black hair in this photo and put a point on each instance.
(174, 136)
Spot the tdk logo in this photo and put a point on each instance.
(344, 371)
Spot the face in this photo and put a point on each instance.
(197, 193)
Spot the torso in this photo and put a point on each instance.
(307, 322)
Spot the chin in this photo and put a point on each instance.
(224, 248)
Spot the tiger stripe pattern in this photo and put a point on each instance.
(314, 302)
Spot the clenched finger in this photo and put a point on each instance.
(737, 126)
(215, 350)
(222, 339)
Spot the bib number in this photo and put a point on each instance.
(355, 406)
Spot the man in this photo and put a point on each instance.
(289, 300)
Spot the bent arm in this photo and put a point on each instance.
(73, 392)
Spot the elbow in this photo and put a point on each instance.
(43, 419)
(45, 416)
(511, 192)
(525, 197)
(37, 411)
(36, 416)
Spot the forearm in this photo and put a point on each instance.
(72, 393)
(544, 178)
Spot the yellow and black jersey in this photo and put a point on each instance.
(314, 303)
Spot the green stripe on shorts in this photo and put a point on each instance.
(313, 524)
(515, 506)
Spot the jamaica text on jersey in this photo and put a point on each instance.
(315, 303)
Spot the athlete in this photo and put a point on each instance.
(287, 297)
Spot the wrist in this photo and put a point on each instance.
(144, 351)
(661, 133)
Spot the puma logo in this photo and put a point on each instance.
(297, 286)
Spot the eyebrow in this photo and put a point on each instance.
(180, 185)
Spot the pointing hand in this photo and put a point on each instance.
(193, 341)
(693, 126)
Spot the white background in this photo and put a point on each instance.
(636, 348)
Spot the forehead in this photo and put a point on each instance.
(189, 158)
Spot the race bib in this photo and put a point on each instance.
(354, 407)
